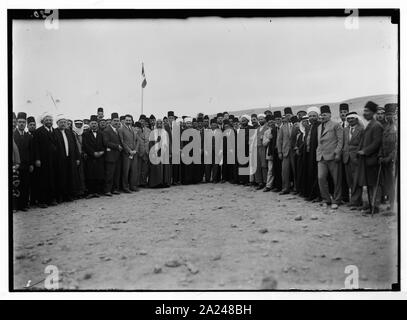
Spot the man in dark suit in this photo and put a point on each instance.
(23, 141)
(285, 152)
(45, 148)
(129, 141)
(68, 160)
(93, 148)
(330, 143)
(343, 111)
(368, 153)
(352, 137)
(112, 143)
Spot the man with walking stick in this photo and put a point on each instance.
(368, 155)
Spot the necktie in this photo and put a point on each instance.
(322, 129)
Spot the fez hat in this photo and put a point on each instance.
(22, 115)
(294, 119)
(390, 108)
(371, 106)
(93, 118)
(288, 110)
(213, 120)
(100, 109)
(142, 116)
(220, 114)
(170, 113)
(343, 106)
(325, 109)
(277, 114)
(30, 119)
(114, 115)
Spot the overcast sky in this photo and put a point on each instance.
(193, 65)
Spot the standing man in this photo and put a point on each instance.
(312, 188)
(343, 111)
(352, 137)
(212, 169)
(285, 150)
(94, 150)
(277, 182)
(268, 144)
(261, 170)
(293, 154)
(78, 130)
(129, 141)
(144, 165)
(388, 155)
(112, 143)
(368, 153)
(23, 141)
(68, 160)
(330, 143)
(45, 148)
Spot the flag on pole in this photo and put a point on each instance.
(144, 83)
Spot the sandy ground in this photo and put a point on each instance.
(212, 237)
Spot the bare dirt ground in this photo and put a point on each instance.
(207, 236)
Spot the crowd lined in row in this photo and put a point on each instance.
(307, 154)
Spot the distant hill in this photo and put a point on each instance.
(355, 104)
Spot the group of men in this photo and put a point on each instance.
(307, 154)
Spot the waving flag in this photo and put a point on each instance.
(144, 83)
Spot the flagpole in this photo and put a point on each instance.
(142, 91)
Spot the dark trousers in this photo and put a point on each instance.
(277, 183)
(112, 175)
(342, 179)
(129, 172)
(351, 170)
(212, 170)
(95, 185)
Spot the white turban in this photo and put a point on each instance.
(246, 116)
(188, 119)
(261, 115)
(313, 109)
(60, 117)
(44, 115)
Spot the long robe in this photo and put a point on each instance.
(94, 167)
(45, 149)
(312, 187)
(67, 170)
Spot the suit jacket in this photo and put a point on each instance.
(284, 139)
(94, 167)
(44, 145)
(129, 139)
(111, 141)
(351, 146)
(330, 143)
(24, 144)
(371, 142)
